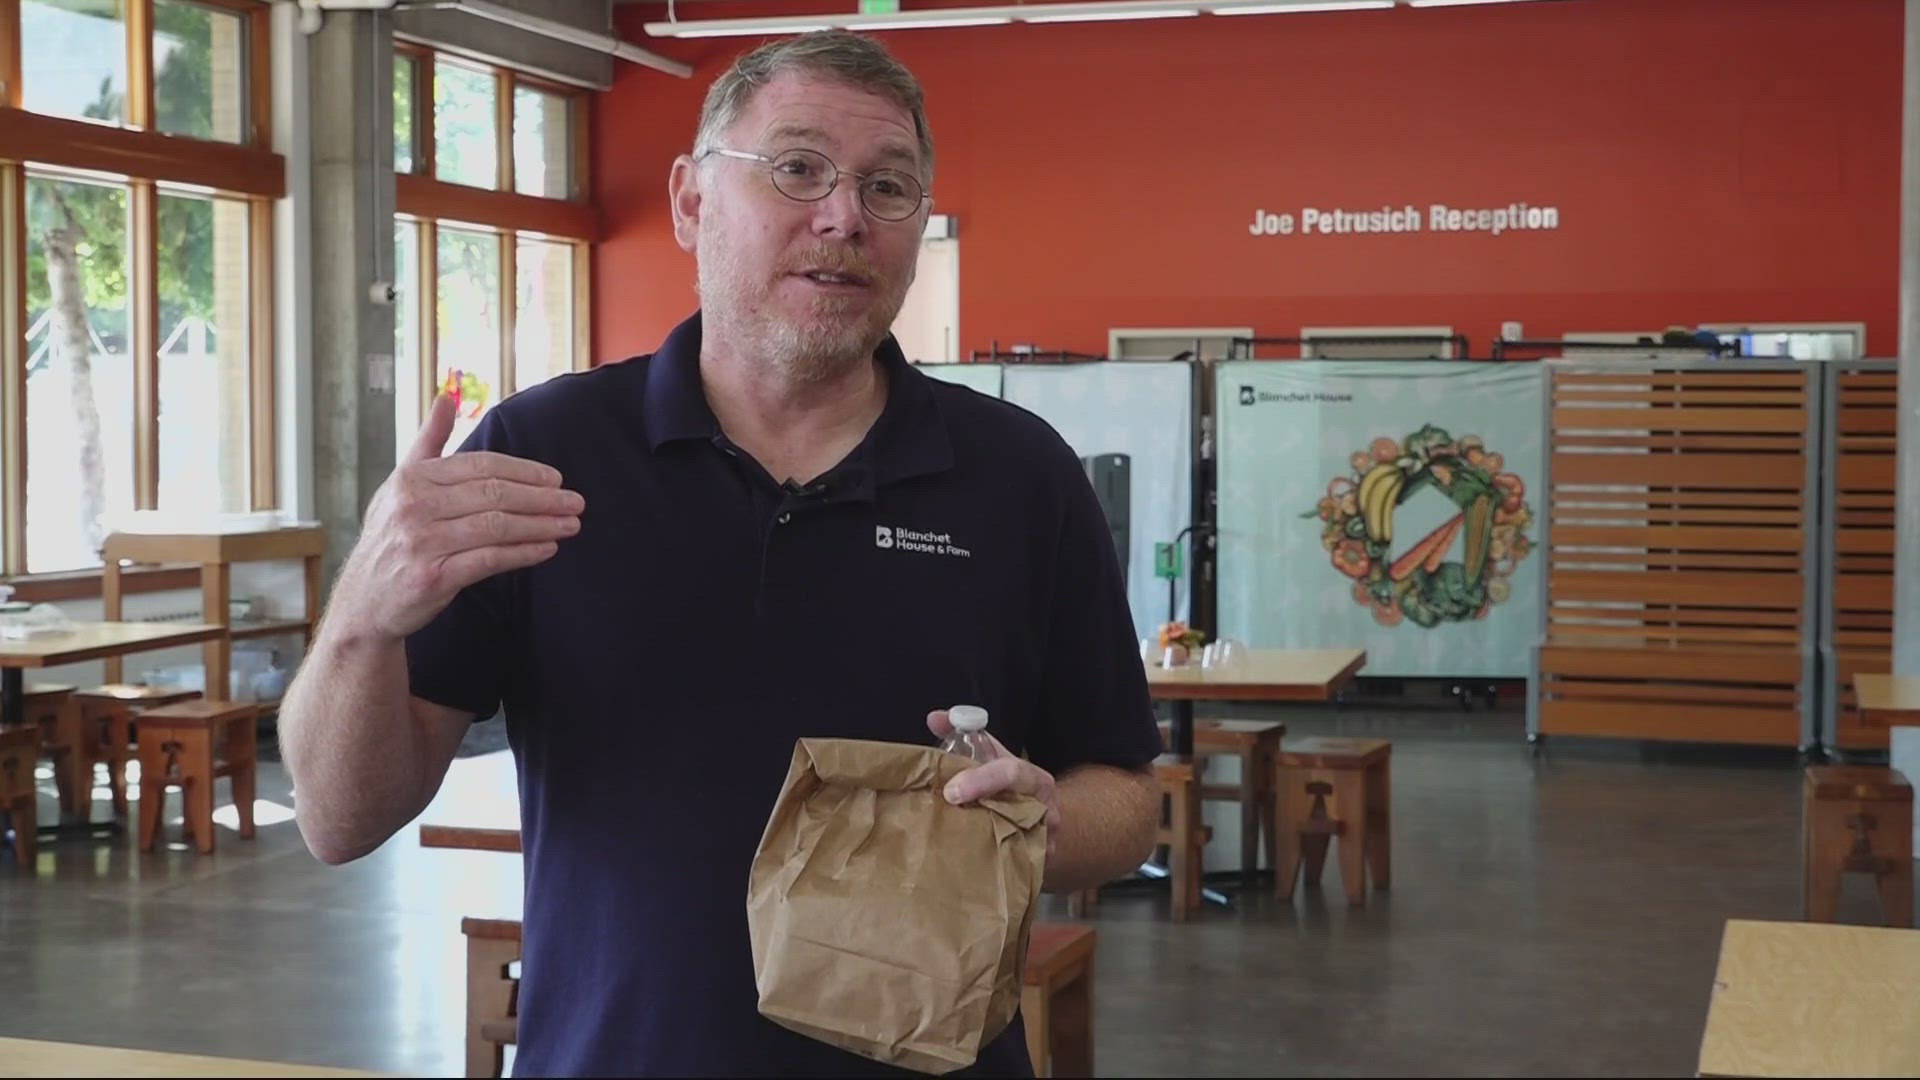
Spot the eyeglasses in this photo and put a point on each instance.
(809, 176)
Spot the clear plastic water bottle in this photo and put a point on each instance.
(969, 738)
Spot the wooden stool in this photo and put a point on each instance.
(19, 752)
(106, 719)
(1330, 787)
(189, 745)
(1182, 833)
(53, 710)
(1254, 742)
(1056, 998)
(493, 945)
(1858, 819)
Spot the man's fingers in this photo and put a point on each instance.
(497, 527)
(485, 464)
(1004, 774)
(431, 442)
(493, 494)
(464, 568)
(938, 723)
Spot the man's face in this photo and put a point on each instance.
(811, 286)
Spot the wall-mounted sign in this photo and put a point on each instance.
(1439, 218)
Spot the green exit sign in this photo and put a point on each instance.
(879, 7)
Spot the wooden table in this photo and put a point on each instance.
(1887, 700)
(477, 807)
(1261, 675)
(216, 552)
(1813, 999)
(31, 1057)
(86, 641)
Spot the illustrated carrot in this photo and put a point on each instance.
(1428, 552)
(1439, 552)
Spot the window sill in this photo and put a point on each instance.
(85, 584)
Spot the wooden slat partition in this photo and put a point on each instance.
(1858, 630)
(1679, 552)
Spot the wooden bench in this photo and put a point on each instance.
(1254, 742)
(1858, 819)
(54, 712)
(1181, 833)
(1056, 998)
(106, 720)
(189, 745)
(1334, 787)
(19, 752)
(1677, 554)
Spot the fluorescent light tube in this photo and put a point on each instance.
(1455, 3)
(747, 31)
(927, 24)
(1113, 16)
(1309, 5)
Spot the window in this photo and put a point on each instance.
(466, 146)
(467, 320)
(403, 106)
(492, 239)
(79, 369)
(75, 60)
(200, 77)
(135, 239)
(541, 154)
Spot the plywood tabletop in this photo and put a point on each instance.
(477, 807)
(31, 1057)
(94, 640)
(1814, 999)
(1887, 693)
(1261, 675)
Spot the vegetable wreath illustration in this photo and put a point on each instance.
(1421, 583)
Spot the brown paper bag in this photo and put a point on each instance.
(885, 920)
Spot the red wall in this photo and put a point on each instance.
(1711, 159)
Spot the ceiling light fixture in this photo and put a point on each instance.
(1282, 8)
(1001, 14)
(735, 31)
(930, 24)
(1113, 16)
(1457, 3)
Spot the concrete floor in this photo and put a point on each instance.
(1558, 916)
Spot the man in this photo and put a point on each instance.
(669, 569)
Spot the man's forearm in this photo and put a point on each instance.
(358, 761)
(1108, 821)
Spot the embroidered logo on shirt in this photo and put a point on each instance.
(920, 543)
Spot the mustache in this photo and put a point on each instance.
(851, 262)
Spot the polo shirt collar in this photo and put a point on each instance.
(909, 439)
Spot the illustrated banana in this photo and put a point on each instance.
(1379, 492)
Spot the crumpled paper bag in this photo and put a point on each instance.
(885, 920)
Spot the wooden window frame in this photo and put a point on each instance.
(500, 210)
(144, 160)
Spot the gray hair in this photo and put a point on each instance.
(842, 55)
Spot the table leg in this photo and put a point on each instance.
(1182, 728)
(13, 696)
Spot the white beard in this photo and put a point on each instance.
(814, 351)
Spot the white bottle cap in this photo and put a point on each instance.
(968, 718)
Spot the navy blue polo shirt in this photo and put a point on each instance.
(656, 672)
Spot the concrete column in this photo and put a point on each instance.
(351, 81)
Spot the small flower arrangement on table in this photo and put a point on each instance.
(1183, 640)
